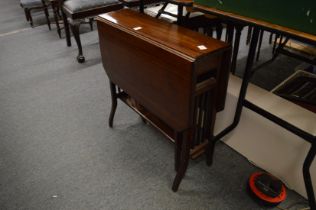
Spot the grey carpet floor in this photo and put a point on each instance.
(57, 151)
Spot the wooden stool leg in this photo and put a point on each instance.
(114, 103)
(75, 31)
(184, 161)
(66, 26)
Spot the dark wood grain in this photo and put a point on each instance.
(164, 75)
(169, 43)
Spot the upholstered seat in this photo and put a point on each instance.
(75, 6)
(136, 3)
(75, 10)
(31, 3)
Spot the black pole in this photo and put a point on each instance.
(307, 177)
(241, 98)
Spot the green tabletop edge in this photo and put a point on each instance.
(298, 15)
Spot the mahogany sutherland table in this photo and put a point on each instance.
(175, 78)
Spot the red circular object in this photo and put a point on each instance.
(263, 196)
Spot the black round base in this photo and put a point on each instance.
(258, 200)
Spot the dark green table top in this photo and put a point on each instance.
(297, 15)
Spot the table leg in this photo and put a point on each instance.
(114, 103)
(177, 148)
(242, 94)
(185, 140)
(307, 177)
(67, 31)
(55, 10)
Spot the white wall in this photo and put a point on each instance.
(266, 144)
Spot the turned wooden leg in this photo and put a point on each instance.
(66, 26)
(47, 17)
(114, 103)
(184, 161)
(75, 31)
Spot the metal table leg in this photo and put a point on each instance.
(307, 177)
(242, 94)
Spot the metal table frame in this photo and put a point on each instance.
(248, 73)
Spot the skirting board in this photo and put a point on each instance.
(264, 143)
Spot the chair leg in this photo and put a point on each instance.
(162, 9)
(184, 161)
(56, 19)
(47, 17)
(66, 26)
(26, 14)
(75, 31)
(114, 103)
(30, 17)
(91, 23)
